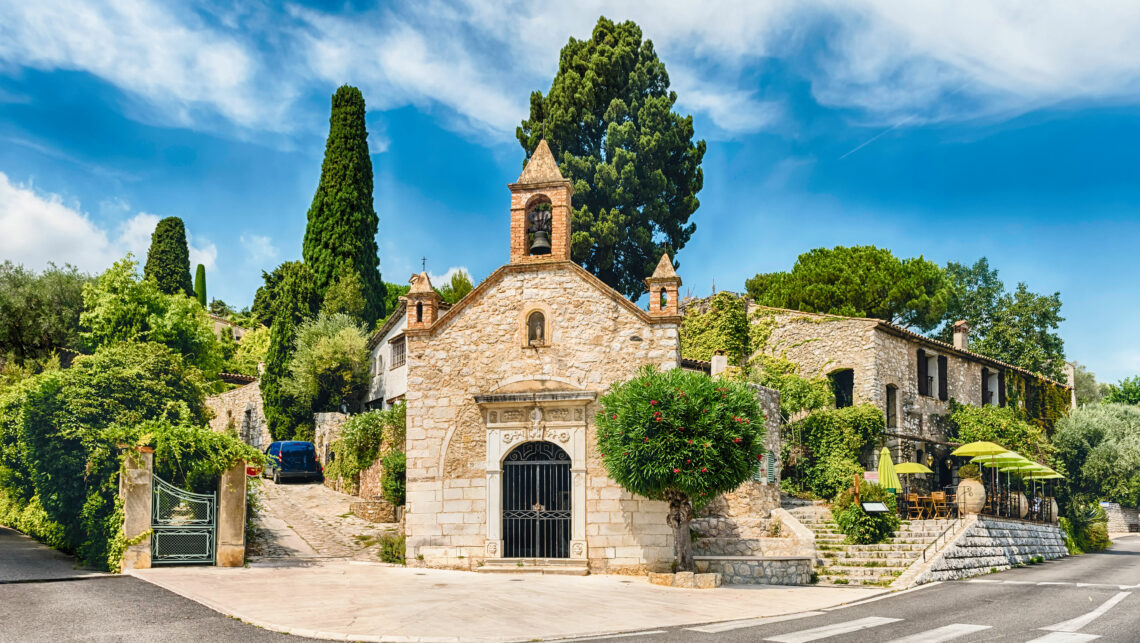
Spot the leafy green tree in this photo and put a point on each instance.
(250, 352)
(220, 308)
(329, 368)
(168, 260)
(1024, 333)
(342, 221)
(345, 295)
(681, 437)
(39, 313)
(860, 281)
(1087, 389)
(200, 285)
(456, 288)
(1100, 448)
(392, 294)
(294, 300)
(266, 295)
(824, 457)
(975, 294)
(119, 307)
(609, 120)
(1002, 425)
(1127, 391)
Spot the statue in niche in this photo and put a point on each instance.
(536, 329)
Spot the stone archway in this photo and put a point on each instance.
(537, 501)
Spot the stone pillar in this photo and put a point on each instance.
(135, 489)
(231, 518)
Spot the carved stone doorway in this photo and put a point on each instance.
(536, 502)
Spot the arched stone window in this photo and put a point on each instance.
(419, 311)
(536, 329)
(663, 300)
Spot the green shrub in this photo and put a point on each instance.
(969, 472)
(393, 477)
(831, 441)
(362, 440)
(859, 526)
(1086, 528)
(392, 548)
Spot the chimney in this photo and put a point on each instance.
(719, 363)
(961, 335)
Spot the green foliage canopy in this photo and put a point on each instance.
(394, 477)
(364, 438)
(1003, 425)
(860, 281)
(253, 349)
(294, 300)
(168, 260)
(1087, 389)
(330, 363)
(823, 454)
(1100, 449)
(345, 296)
(1127, 391)
(609, 120)
(341, 233)
(721, 325)
(39, 313)
(860, 527)
(119, 307)
(456, 288)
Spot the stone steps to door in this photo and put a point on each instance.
(559, 566)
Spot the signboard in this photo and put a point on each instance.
(875, 507)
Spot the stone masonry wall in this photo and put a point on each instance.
(995, 544)
(595, 340)
(230, 411)
(1120, 519)
(795, 570)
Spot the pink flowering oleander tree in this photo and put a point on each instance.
(681, 437)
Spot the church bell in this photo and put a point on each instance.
(541, 243)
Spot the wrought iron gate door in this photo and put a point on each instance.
(536, 502)
(183, 524)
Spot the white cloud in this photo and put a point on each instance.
(259, 249)
(445, 278)
(479, 59)
(37, 229)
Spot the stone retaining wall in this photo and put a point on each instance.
(753, 570)
(1120, 519)
(991, 544)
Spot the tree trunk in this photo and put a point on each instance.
(680, 513)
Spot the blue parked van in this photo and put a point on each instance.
(293, 459)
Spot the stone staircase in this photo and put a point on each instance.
(838, 563)
(559, 566)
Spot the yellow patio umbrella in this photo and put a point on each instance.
(979, 448)
(912, 467)
(887, 476)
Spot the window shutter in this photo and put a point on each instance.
(1001, 388)
(922, 388)
(985, 383)
(942, 390)
(771, 468)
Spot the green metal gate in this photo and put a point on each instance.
(184, 525)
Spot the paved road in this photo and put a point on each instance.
(44, 598)
(1084, 598)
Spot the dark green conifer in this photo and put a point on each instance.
(295, 298)
(168, 260)
(200, 284)
(342, 226)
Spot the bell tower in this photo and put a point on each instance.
(540, 210)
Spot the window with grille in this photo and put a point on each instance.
(399, 348)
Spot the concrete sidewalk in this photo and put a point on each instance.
(346, 600)
(23, 560)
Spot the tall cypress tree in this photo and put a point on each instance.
(295, 299)
(342, 221)
(200, 284)
(168, 260)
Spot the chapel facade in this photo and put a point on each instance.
(502, 391)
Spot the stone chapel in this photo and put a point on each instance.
(502, 389)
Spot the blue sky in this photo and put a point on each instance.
(954, 132)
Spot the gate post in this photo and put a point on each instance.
(231, 517)
(135, 490)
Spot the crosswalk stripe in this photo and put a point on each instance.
(940, 634)
(714, 628)
(816, 633)
(1065, 637)
(1075, 624)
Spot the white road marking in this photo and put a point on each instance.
(983, 581)
(947, 633)
(1075, 624)
(1065, 637)
(816, 633)
(715, 628)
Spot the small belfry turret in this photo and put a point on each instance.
(540, 210)
(423, 303)
(664, 288)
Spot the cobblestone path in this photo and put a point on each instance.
(303, 520)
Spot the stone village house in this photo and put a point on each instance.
(909, 376)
